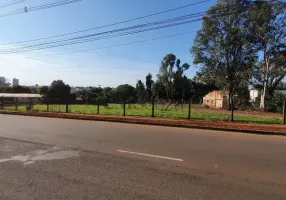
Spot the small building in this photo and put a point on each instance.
(215, 99)
(10, 98)
(253, 93)
(15, 82)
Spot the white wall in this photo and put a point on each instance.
(253, 94)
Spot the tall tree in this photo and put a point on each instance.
(57, 91)
(149, 83)
(126, 93)
(159, 90)
(107, 94)
(267, 21)
(140, 90)
(166, 73)
(180, 81)
(171, 76)
(221, 47)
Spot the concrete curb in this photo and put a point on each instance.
(217, 126)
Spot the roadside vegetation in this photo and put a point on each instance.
(161, 111)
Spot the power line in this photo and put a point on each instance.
(39, 7)
(184, 17)
(104, 35)
(11, 3)
(85, 38)
(112, 24)
(166, 21)
(126, 44)
(101, 36)
(122, 22)
(114, 33)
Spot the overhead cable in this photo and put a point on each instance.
(112, 24)
(10, 3)
(39, 7)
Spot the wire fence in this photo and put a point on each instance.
(156, 109)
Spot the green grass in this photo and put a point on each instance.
(161, 111)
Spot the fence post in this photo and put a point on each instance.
(48, 107)
(231, 107)
(284, 112)
(153, 107)
(189, 113)
(30, 104)
(67, 107)
(16, 104)
(124, 107)
(98, 108)
(2, 104)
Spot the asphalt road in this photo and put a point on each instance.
(43, 158)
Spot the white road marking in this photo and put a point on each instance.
(149, 155)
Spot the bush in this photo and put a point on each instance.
(275, 103)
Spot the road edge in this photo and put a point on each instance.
(192, 124)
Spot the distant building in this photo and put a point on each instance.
(215, 99)
(15, 82)
(2, 80)
(253, 93)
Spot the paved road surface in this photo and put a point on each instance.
(43, 158)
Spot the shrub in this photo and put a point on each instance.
(275, 103)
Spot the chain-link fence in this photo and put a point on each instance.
(156, 109)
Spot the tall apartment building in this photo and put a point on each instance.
(2, 80)
(15, 82)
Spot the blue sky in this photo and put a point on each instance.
(106, 67)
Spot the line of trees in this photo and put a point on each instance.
(18, 89)
(171, 86)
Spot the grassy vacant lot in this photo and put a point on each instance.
(161, 111)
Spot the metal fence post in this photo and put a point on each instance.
(231, 108)
(153, 107)
(67, 107)
(189, 113)
(30, 104)
(284, 112)
(124, 107)
(2, 104)
(16, 104)
(98, 108)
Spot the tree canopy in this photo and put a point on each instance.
(171, 78)
(267, 23)
(58, 91)
(222, 48)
